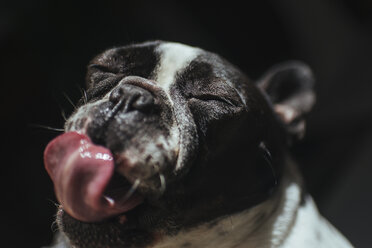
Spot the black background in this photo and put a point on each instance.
(45, 46)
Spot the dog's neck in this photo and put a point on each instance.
(260, 226)
(285, 220)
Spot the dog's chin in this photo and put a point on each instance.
(119, 231)
(138, 227)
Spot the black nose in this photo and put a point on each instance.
(129, 97)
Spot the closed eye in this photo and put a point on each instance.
(208, 97)
(103, 86)
(100, 68)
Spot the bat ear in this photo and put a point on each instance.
(289, 87)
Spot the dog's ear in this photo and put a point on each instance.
(289, 87)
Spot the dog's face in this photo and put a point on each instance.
(167, 137)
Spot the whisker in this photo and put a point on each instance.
(83, 93)
(268, 159)
(85, 96)
(69, 99)
(47, 127)
(54, 226)
(63, 115)
(56, 204)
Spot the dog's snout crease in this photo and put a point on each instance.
(131, 97)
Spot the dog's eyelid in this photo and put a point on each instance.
(211, 97)
(99, 67)
(95, 66)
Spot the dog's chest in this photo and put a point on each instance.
(310, 229)
(289, 225)
(230, 231)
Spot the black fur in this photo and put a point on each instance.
(225, 119)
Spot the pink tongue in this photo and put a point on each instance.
(80, 172)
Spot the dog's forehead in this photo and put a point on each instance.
(171, 65)
(173, 59)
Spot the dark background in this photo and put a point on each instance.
(45, 46)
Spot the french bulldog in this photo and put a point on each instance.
(173, 146)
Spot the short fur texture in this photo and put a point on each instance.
(207, 146)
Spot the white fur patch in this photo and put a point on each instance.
(287, 225)
(287, 214)
(149, 148)
(174, 58)
(236, 231)
(312, 230)
(247, 229)
(73, 125)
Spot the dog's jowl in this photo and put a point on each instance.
(172, 146)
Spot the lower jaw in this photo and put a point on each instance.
(113, 232)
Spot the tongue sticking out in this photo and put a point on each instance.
(81, 172)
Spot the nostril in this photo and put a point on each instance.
(116, 95)
(131, 97)
(143, 102)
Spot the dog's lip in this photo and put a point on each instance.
(81, 172)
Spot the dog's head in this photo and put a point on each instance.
(167, 137)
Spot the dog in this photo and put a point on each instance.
(173, 146)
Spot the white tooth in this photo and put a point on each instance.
(131, 190)
(162, 183)
(109, 200)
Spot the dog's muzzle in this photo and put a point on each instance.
(82, 164)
